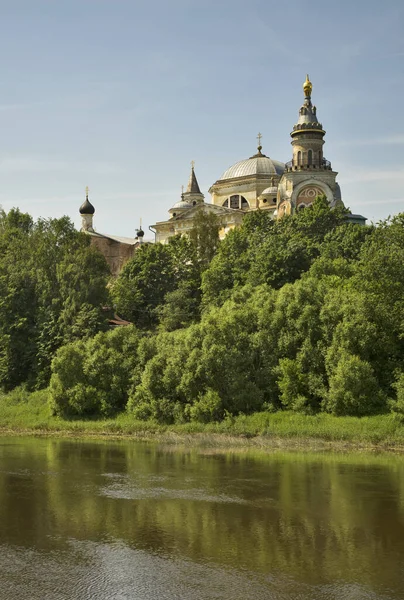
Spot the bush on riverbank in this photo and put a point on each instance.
(93, 377)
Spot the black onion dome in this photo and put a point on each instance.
(140, 233)
(87, 208)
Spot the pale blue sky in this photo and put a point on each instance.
(121, 95)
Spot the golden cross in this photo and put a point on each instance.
(192, 163)
(259, 136)
(182, 190)
(87, 190)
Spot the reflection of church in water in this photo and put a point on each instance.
(255, 183)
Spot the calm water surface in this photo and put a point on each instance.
(94, 520)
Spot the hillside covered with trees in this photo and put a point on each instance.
(304, 314)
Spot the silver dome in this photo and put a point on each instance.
(256, 165)
(181, 204)
(270, 190)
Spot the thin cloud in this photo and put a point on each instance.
(372, 175)
(390, 140)
(386, 202)
(19, 106)
(100, 199)
(45, 164)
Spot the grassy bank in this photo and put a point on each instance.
(23, 413)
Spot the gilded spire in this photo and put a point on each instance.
(307, 87)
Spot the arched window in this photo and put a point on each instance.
(320, 158)
(236, 201)
(299, 158)
(310, 157)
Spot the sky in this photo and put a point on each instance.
(121, 95)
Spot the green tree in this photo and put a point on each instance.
(180, 308)
(162, 282)
(93, 377)
(354, 389)
(345, 241)
(292, 244)
(207, 370)
(143, 284)
(48, 273)
(274, 252)
(228, 268)
(397, 404)
(204, 236)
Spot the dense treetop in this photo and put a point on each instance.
(305, 314)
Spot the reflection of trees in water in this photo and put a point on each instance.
(315, 517)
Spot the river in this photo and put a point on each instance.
(129, 520)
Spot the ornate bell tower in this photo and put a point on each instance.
(307, 135)
(308, 174)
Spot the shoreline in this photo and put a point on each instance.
(27, 414)
(212, 441)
